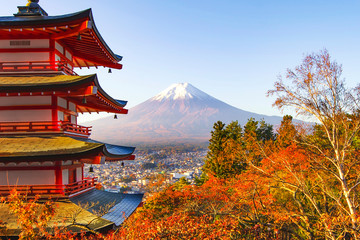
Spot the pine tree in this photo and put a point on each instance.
(216, 149)
(265, 132)
(224, 159)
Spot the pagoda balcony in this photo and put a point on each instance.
(66, 128)
(52, 191)
(36, 67)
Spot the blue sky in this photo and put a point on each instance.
(232, 49)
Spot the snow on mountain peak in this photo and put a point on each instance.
(180, 91)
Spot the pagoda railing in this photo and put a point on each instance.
(77, 129)
(36, 66)
(56, 126)
(51, 190)
(76, 187)
(29, 126)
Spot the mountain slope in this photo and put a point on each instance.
(180, 113)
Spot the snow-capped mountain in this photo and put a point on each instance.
(178, 91)
(180, 113)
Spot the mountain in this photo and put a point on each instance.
(180, 113)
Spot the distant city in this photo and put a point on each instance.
(148, 169)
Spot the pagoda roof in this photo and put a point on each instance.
(91, 50)
(59, 147)
(124, 204)
(113, 151)
(74, 88)
(25, 82)
(88, 205)
(61, 220)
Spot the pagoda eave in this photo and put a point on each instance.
(77, 31)
(52, 158)
(109, 159)
(81, 63)
(40, 148)
(85, 91)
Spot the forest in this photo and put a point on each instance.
(298, 181)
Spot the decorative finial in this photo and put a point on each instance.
(32, 8)
(33, 3)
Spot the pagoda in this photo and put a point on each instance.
(42, 148)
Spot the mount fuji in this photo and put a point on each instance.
(179, 114)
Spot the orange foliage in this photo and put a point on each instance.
(219, 209)
(33, 219)
(99, 186)
(280, 198)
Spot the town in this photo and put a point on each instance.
(149, 171)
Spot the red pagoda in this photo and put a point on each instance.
(42, 148)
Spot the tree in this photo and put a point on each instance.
(257, 141)
(33, 218)
(286, 133)
(316, 89)
(265, 132)
(230, 145)
(223, 160)
(181, 183)
(218, 137)
(218, 209)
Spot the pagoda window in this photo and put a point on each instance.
(20, 43)
(68, 55)
(79, 174)
(57, 58)
(65, 176)
(61, 116)
(72, 107)
(59, 47)
(62, 102)
(73, 119)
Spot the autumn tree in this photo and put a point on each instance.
(218, 209)
(287, 133)
(316, 89)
